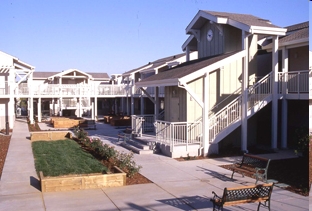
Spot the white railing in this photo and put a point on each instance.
(261, 90)
(297, 82)
(232, 112)
(151, 91)
(178, 133)
(4, 88)
(71, 89)
(142, 124)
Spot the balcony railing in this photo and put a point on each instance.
(142, 124)
(294, 82)
(71, 90)
(4, 89)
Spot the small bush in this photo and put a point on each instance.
(106, 152)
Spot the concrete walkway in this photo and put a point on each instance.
(176, 185)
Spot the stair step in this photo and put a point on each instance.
(138, 145)
(135, 149)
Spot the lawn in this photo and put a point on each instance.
(64, 157)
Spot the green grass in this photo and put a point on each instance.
(64, 157)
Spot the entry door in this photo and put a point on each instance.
(175, 110)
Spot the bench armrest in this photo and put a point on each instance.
(215, 197)
(261, 169)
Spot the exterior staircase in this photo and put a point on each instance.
(228, 118)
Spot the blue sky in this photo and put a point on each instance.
(115, 36)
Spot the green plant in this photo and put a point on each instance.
(302, 146)
(106, 152)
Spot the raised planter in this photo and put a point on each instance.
(81, 182)
(49, 135)
(63, 122)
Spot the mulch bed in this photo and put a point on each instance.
(4, 146)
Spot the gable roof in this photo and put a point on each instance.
(155, 64)
(46, 75)
(187, 71)
(7, 62)
(297, 35)
(245, 22)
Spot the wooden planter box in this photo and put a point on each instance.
(81, 182)
(49, 135)
(63, 122)
(118, 121)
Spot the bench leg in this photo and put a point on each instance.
(265, 205)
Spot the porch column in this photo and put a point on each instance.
(156, 105)
(60, 106)
(80, 107)
(11, 104)
(244, 106)
(39, 109)
(206, 123)
(132, 98)
(95, 108)
(92, 110)
(123, 105)
(31, 109)
(187, 53)
(284, 100)
(53, 107)
(274, 116)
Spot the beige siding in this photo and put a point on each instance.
(175, 104)
(215, 46)
(299, 59)
(223, 82)
(232, 39)
(194, 111)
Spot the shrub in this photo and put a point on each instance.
(106, 152)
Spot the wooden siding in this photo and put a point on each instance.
(232, 39)
(215, 46)
(223, 82)
(195, 111)
(299, 58)
(175, 105)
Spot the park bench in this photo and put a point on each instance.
(252, 165)
(88, 124)
(125, 135)
(244, 194)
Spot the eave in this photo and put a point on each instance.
(158, 83)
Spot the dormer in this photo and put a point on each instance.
(214, 33)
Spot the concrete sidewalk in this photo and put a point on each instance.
(176, 185)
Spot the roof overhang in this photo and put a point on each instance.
(291, 44)
(201, 17)
(191, 43)
(157, 83)
(206, 70)
(191, 77)
(138, 70)
(63, 75)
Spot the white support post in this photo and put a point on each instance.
(284, 120)
(60, 106)
(244, 107)
(95, 108)
(274, 116)
(92, 111)
(132, 98)
(11, 105)
(39, 109)
(31, 109)
(187, 53)
(80, 107)
(156, 105)
(206, 123)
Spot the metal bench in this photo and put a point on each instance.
(254, 165)
(244, 194)
(88, 124)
